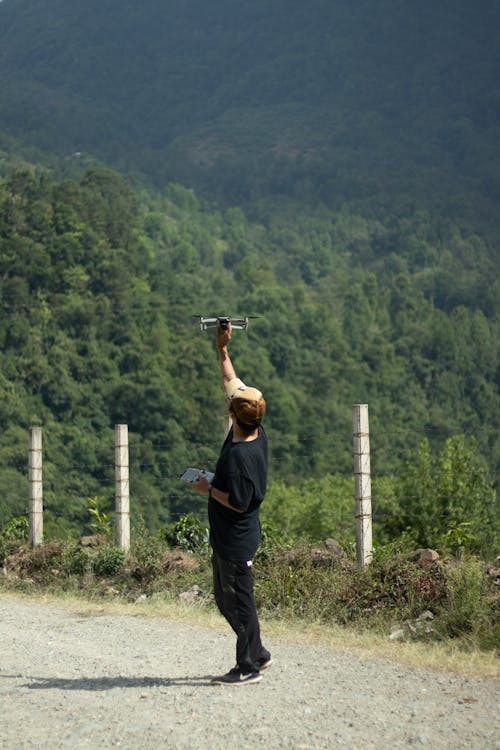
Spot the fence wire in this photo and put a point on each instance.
(98, 478)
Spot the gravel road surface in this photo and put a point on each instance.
(73, 680)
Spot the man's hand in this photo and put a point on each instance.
(202, 485)
(223, 337)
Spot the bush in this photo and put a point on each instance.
(188, 533)
(312, 509)
(146, 553)
(449, 501)
(467, 605)
(39, 563)
(13, 533)
(302, 583)
(400, 586)
(108, 561)
(76, 560)
(272, 541)
(311, 584)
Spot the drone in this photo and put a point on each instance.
(239, 324)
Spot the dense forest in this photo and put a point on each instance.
(331, 168)
(100, 291)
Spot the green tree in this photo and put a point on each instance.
(439, 495)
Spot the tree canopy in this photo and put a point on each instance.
(100, 289)
(331, 167)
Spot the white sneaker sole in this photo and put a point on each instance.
(224, 683)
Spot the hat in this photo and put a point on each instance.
(247, 403)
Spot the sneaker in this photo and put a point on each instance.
(237, 677)
(264, 663)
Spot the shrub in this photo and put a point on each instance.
(39, 563)
(315, 587)
(188, 533)
(400, 586)
(449, 501)
(293, 583)
(312, 509)
(467, 604)
(13, 533)
(76, 560)
(146, 553)
(101, 520)
(272, 541)
(108, 561)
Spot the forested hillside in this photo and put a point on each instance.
(100, 287)
(377, 104)
(330, 167)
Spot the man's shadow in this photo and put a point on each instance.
(109, 683)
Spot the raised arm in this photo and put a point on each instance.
(222, 340)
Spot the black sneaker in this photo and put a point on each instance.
(265, 662)
(237, 677)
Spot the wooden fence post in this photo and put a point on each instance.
(122, 487)
(35, 487)
(362, 480)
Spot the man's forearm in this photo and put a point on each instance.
(223, 338)
(203, 486)
(226, 366)
(223, 499)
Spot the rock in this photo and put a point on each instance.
(178, 560)
(191, 594)
(334, 547)
(95, 540)
(427, 615)
(397, 635)
(493, 571)
(141, 598)
(425, 556)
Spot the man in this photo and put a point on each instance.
(234, 498)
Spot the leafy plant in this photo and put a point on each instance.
(311, 509)
(272, 540)
(449, 501)
(146, 553)
(188, 533)
(76, 560)
(101, 522)
(108, 560)
(459, 538)
(12, 534)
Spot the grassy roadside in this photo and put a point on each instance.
(410, 606)
(441, 656)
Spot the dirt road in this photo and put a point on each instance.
(70, 680)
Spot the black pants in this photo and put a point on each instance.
(233, 589)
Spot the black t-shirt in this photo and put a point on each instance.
(242, 472)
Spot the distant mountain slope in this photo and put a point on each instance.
(338, 100)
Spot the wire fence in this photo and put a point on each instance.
(154, 480)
